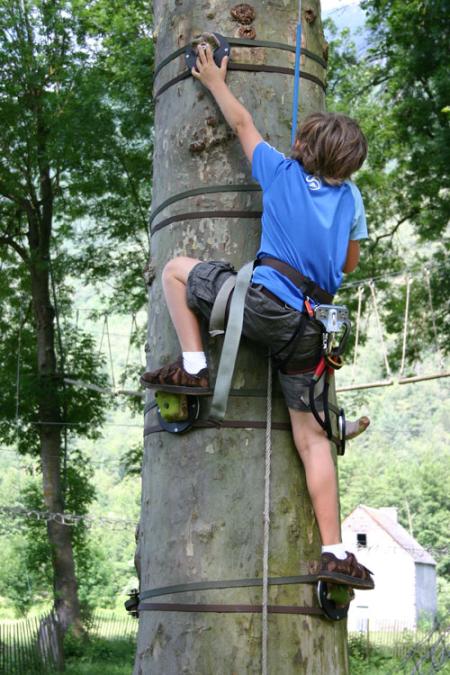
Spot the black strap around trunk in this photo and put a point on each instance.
(306, 285)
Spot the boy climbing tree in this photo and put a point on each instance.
(313, 219)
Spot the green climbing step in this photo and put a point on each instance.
(172, 407)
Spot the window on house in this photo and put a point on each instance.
(361, 539)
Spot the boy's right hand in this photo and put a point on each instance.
(206, 69)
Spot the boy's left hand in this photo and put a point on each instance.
(206, 69)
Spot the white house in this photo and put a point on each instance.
(404, 573)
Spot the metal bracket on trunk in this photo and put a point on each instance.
(219, 45)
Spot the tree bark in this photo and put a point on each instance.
(65, 591)
(203, 492)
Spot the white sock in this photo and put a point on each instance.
(337, 549)
(193, 362)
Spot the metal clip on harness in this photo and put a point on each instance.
(334, 318)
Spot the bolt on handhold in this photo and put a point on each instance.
(243, 14)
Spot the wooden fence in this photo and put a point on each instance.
(32, 646)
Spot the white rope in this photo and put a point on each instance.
(405, 324)
(111, 364)
(265, 598)
(19, 355)
(433, 318)
(380, 330)
(358, 322)
(102, 336)
(81, 384)
(129, 348)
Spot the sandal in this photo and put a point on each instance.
(354, 429)
(348, 571)
(174, 378)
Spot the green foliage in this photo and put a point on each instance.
(410, 45)
(75, 172)
(398, 93)
(95, 656)
(403, 461)
(368, 660)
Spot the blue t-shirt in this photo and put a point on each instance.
(306, 223)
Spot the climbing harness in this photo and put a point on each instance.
(334, 318)
(230, 344)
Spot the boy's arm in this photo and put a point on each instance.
(234, 112)
(352, 260)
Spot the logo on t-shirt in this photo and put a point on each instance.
(314, 183)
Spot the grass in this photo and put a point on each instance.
(100, 656)
(385, 659)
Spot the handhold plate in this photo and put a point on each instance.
(222, 48)
(191, 410)
(334, 599)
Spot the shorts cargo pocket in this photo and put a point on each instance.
(206, 279)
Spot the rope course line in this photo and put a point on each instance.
(380, 330)
(69, 519)
(297, 74)
(75, 424)
(405, 324)
(112, 391)
(392, 275)
(433, 317)
(62, 370)
(72, 519)
(400, 379)
(19, 356)
(358, 322)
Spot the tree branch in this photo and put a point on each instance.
(397, 225)
(9, 241)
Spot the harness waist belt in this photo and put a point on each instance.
(306, 285)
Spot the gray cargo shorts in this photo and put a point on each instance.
(267, 323)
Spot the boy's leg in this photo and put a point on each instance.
(314, 450)
(186, 324)
(191, 369)
(313, 447)
(190, 294)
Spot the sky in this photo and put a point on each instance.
(328, 5)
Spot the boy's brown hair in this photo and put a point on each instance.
(330, 145)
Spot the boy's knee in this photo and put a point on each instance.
(173, 267)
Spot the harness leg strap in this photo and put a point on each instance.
(230, 344)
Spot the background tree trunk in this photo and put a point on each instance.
(65, 591)
(203, 493)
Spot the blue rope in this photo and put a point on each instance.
(298, 40)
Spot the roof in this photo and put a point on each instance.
(398, 533)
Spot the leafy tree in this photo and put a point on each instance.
(398, 91)
(75, 167)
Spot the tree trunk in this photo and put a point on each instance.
(60, 537)
(203, 492)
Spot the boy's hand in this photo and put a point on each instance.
(206, 69)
